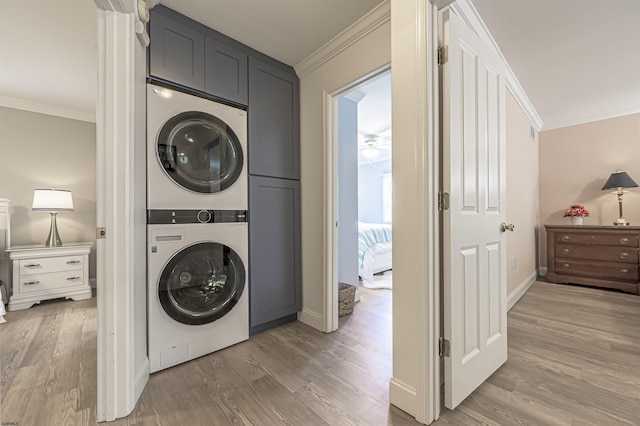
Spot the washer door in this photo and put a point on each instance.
(199, 152)
(201, 283)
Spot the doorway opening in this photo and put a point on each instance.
(364, 193)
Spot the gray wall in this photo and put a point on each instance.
(370, 190)
(348, 191)
(44, 151)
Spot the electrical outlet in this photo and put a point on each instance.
(514, 263)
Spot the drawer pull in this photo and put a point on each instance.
(624, 241)
(73, 278)
(565, 251)
(624, 255)
(624, 272)
(566, 266)
(32, 265)
(73, 262)
(32, 282)
(566, 238)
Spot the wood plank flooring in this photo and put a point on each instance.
(574, 359)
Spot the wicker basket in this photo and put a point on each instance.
(346, 298)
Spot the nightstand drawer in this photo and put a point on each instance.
(606, 270)
(601, 253)
(50, 264)
(53, 281)
(617, 239)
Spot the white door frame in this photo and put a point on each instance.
(415, 107)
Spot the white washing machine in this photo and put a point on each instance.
(196, 152)
(198, 294)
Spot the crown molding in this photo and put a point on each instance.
(469, 14)
(604, 115)
(378, 16)
(47, 109)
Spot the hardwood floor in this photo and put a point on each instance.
(574, 359)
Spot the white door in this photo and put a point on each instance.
(474, 172)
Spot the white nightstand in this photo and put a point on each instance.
(41, 273)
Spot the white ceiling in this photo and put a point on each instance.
(577, 60)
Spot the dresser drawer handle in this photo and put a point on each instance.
(624, 272)
(624, 255)
(32, 282)
(566, 238)
(32, 265)
(565, 251)
(73, 262)
(566, 266)
(624, 241)
(73, 278)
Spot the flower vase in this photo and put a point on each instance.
(576, 220)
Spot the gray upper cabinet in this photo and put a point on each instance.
(274, 121)
(176, 52)
(274, 250)
(225, 71)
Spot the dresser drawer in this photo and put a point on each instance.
(617, 239)
(594, 252)
(50, 264)
(53, 281)
(607, 270)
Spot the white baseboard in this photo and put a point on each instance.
(403, 396)
(515, 295)
(142, 377)
(311, 318)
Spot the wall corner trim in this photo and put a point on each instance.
(469, 14)
(524, 286)
(365, 25)
(142, 377)
(311, 318)
(403, 396)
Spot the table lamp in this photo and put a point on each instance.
(618, 181)
(52, 201)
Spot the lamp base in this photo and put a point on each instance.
(53, 240)
(621, 222)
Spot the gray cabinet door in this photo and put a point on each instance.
(275, 278)
(225, 71)
(274, 121)
(176, 52)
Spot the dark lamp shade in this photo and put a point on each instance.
(619, 180)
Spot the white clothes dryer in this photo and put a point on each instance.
(196, 152)
(198, 294)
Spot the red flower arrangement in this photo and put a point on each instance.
(576, 210)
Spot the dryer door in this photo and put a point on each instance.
(201, 283)
(199, 152)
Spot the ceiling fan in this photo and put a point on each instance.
(371, 143)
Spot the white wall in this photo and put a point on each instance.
(364, 56)
(370, 190)
(44, 151)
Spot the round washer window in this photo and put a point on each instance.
(199, 152)
(201, 283)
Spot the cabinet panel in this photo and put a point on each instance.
(225, 71)
(274, 249)
(176, 52)
(274, 121)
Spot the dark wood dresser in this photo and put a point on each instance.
(599, 256)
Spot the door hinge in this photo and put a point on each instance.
(443, 55)
(101, 233)
(444, 348)
(443, 201)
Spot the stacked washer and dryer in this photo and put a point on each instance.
(197, 230)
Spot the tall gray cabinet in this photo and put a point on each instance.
(184, 53)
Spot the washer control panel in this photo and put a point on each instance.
(169, 217)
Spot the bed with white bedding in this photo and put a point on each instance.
(374, 249)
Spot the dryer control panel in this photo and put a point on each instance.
(169, 217)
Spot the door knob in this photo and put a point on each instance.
(504, 227)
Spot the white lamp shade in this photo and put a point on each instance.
(52, 200)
